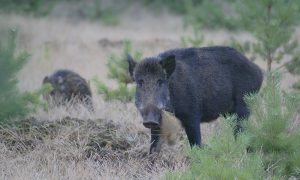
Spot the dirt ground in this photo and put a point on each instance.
(57, 42)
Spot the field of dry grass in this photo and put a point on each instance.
(71, 142)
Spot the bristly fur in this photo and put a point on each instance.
(201, 84)
(148, 66)
(68, 85)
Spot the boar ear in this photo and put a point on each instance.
(46, 80)
(131, 65)
(168, 64)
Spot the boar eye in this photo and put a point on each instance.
(140, 82)
(160, 82)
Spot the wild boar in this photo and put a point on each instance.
(197, 84)
(68, 85)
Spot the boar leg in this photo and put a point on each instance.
(192, 129)
(155, 145)
(242, 112)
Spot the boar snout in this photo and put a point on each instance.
(151, 117)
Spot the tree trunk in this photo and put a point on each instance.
(269, 68)
(269, 55)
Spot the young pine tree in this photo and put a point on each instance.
(118, 71)
(294, 67)
(224, 157)
(272, 22)
(272, 113)
(12, 102)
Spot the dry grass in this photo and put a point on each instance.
(71, 142)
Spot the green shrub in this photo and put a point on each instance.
(272, 113)
(211, 14)
(96, 11)
(174, 6)
(118, 71)
(207, 14)
(118, 66)
(123, 92)
(195, 41)
(244, 47)
(12, 102)
(297, 85)
(34, 7)
(224, 157)
(294, 66)
(272, 22)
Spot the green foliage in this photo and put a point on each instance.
(272, 22)
(12, 102)
(92, 9)
(294, 65)
(123, 92)
(34, 7)
(34, 97)
(244, 47)
(175, 6)
(196, 40)
(207, 14)
(210, 14)
(96, 11)
(272, 113)
(297, 85)
(118, 66)
(223, 158)
(118, 71)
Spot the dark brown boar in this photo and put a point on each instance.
(66, 86)
(197, 84)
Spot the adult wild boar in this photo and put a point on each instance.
(197, 84)
(66, 86)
